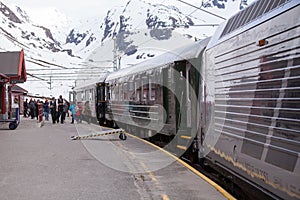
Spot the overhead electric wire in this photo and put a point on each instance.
(48, 63)
(35, 77)
(66, 75)
(61, 79)
(70, 73)
(37, 63)
(73, 68)
(199, 8)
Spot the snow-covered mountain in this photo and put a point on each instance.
(137, 30)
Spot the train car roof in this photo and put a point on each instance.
(91, 82)
(255, 14)
(187, 52)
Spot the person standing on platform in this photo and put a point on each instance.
(32, 108)
(64, 111)
(46, 110)
(53, 108)
(68, 104)
(72, 108)
(25, 106)
(60, 106)
(87, 112)
(15, 107)
(37, 103)
(79, 109)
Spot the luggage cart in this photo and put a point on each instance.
(14, 120)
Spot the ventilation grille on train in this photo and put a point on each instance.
(251, 13)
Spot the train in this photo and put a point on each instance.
(230, 102)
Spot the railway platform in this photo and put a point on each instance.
(44, 163)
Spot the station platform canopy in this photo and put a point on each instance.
(18, 90)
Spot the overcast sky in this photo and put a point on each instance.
(70, 7)
(75, 7)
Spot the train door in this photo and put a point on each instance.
(187, 111)
(180, 94)
(101, 102)
(165, 74)
(169, 101)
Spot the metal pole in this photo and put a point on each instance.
(115, 64)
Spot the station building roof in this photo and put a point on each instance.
(12, 65)
(18, 89)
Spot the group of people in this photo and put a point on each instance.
(58, 109)
(31, 108)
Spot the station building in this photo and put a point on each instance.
(12, 71)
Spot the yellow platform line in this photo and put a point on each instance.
(212, 183)
(181, 147)
(165, 197)
(186, 137)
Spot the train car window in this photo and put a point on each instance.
(90, 95)
(93, 94)
(86, 94)
(117, 92)
(152, 88)
(125, 89)
(137, 90)
(130, 86)
(77, 96)
(120, 86)
(142, 89)
(114, 92)
(82, 96)
(145, 88)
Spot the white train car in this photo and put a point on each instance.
(252, 78)
(88, 96)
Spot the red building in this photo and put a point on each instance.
(12, 71)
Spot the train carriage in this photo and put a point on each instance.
(230, 102)
(159, 97)
(252, 71)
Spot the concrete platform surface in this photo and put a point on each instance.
(44, 163)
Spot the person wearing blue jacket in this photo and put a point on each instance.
(72, 108)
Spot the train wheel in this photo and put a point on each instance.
(122, 136)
